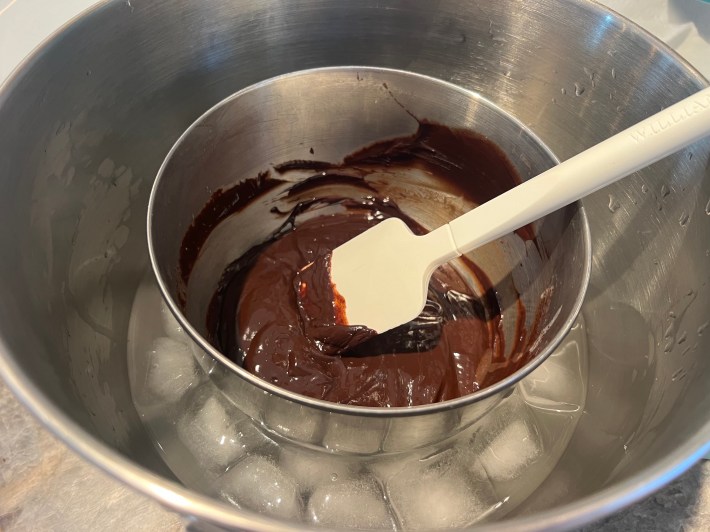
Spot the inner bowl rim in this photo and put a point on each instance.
(328, 406)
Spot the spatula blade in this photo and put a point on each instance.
(381, 276)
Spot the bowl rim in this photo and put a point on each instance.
(328, 406)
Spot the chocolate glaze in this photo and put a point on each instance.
(418, 363)
(257, 318)
(327, 178)
(221, 205)
(321, 309)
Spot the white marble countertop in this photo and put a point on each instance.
(44, 486)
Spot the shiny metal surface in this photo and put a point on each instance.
(271, 122)
(87, 121)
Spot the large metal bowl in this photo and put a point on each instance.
(88, 119)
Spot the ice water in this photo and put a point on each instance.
(480, 474)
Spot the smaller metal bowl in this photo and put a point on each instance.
(337, 111)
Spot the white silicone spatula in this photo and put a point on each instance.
(383, 273)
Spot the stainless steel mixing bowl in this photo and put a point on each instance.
(88, 119)
(337, 111)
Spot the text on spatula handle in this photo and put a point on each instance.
(690, 109)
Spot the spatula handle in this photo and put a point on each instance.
(624, 153)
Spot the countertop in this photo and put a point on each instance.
(45, 486)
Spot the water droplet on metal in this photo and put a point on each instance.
(554, 100)
(665, 191)
(679, 375)
(613, 73)
(334, 477)
(644, 188)
(578, 89)
(684, 217)
(702, 328)
(591, 75)
(707, 208)
(613, 204)
(668, 333)
(563, 90)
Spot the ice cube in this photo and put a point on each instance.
(215, 433)
(256, 483)
(516, 447)
(558, 385)
(205, 363)
(384, 467)
(311, 468)
(440, 492)
(171, 369)
(170, 325)
(509, 441)
(293, 421)
(352, 435)
(411, 433)
(358, 504)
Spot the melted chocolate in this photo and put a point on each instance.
(433, 358)
(221, 205)
(321, 310)
(257, 316)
